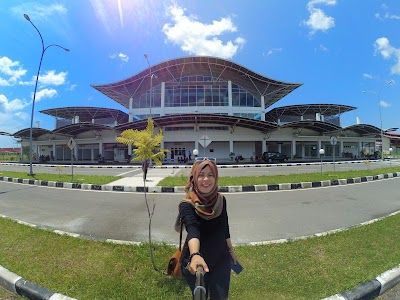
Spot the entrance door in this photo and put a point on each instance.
(119, 154)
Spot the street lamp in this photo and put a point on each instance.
(195, 153)
(34, 93)
(380, 111)
(151, 81)
(321, 152)
(390, 159)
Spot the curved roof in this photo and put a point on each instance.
(36, 132)
(318, 126)
(302, 109)
(173, 70)
(363, 129)
(87, 114)
(5, 133)
(200, 119)
(75, 129)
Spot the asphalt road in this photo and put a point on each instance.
(254, 217)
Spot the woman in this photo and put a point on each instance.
(208, 243)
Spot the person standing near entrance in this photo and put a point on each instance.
(190, 156)
(208, 243)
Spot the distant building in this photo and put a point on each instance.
(10, 151)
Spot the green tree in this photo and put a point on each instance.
(146, 142)
(147, 146)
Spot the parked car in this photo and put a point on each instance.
(274, 156)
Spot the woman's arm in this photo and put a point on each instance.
(196, 259)
(231, 251)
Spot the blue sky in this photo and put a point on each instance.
(336, 48)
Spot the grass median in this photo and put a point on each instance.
(222, 181)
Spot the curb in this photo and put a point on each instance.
(257, 165)
(371, 288)
(223, 189)
(20, 286)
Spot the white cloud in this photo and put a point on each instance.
(383, 47)
(272, 51)
(323, 48)
(384, 104)
(369, 76)
(45, 93)
(122, 56)
(51, 78)
(106, 13)
(11, 69)
(197, 38)
(72, 87)
(39, 12)
(13, 105)
(318, 20)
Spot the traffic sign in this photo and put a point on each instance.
(333, 140)
(71, 143)
(205, 141)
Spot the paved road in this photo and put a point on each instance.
(272, 169)
(254, 217)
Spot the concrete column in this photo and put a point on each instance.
(230, 109)
(341, 149)
(231, 145)
(303, 151)
(359, 149)
(129, 149)
(130, 114)
(262, 108)
(92, 153)
(54, 151)
(280, 148)
(264, 146)
(293, 148)
(76, 152)
(319, 145)
(101, 148)
(162, 112)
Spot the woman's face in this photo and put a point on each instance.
(205, 180)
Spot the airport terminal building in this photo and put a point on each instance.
(205, 103)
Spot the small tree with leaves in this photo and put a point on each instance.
(147, 146)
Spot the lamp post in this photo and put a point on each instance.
(380, 111)
(321, 152)
(390, 159)
(151, 81)
(34, 93)
(195, 153)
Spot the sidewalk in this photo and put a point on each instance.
(154, 176)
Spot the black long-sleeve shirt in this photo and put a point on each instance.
(211, 233)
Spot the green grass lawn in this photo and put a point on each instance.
(276, 179)
(306, 269)
(222, 181)
(87, 179)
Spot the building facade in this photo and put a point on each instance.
(210, 104)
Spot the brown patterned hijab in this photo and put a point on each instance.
(209, 205)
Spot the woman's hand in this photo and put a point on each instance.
(233, 255)
(197, 260)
